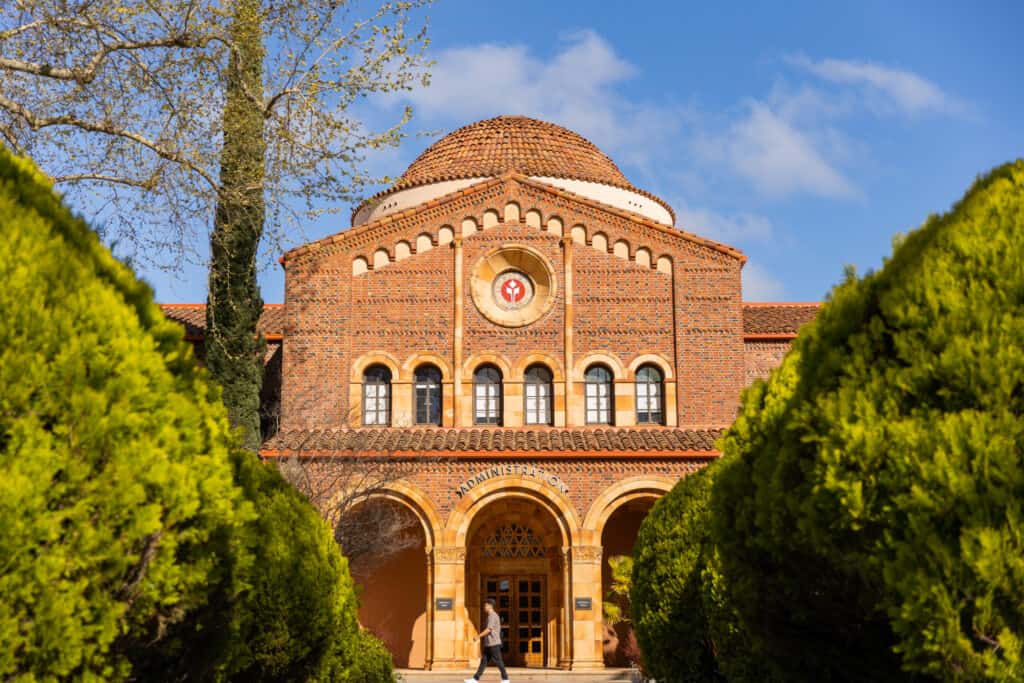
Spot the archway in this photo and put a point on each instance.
(613, 520)
(617, 540)
(514, 555)
(395, 554)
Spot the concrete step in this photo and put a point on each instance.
(521, 676)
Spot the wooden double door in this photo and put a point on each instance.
(520, 602)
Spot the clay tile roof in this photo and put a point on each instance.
(507, 144)
(437, 440)
(193, 317)
(777, 318)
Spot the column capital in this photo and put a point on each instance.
(587, 553)
(450, 554)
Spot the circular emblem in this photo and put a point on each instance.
(513, 290)
(513, 285)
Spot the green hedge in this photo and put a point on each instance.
(136, 539)
(871, 526)
(116, 492)
(686, 626)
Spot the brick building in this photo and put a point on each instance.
(527, 335)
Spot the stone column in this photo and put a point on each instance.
(587, 625)
(565, 625)
(428, 660)
(450, 625)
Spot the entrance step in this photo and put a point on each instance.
(521, 676)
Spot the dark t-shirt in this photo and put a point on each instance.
(494, 637)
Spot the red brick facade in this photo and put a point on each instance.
(411, 287)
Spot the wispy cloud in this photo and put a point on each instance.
(737, 229)
(760, 285)
(775, 156)
(886, 87)
(578, 87)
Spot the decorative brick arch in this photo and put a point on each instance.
(545, 359)
(418, 503)
(476, 360)
(418, 359)
(498, 488)
(604, 358)
(374, 358)
(655, 359)
(617, 495)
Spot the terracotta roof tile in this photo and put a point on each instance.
(193, 317)
(506, 144)
(777, 318)
(437, 440)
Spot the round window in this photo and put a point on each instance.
(513, 285)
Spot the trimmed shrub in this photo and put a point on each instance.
(870, 527)
(138, 541)
(117, 504)
(297, 621)
(685, 624)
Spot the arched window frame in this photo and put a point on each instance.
(488, 383)
(377, 396)
(538, 395)
(427, 395)
(650, 395)
(599, 395)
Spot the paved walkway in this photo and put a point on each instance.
(521, 676)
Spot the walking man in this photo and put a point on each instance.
(491, 636)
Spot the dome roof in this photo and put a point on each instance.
(513, 143)
(493, 147)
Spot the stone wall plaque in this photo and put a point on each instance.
(583, 604)
(444, 604)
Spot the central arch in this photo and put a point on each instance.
(517, 534)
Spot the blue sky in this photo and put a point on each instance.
(805, 133)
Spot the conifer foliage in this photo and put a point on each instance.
(866, 522)
(137, 539)
(871, 525)
(686, 626)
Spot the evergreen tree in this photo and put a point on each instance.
(686, 626)
(870, 527)
(138, 541)
(233, 345)
(118, 511)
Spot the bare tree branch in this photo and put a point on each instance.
(106, 128)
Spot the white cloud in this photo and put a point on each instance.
(776, 156)
(736, 229)
(888, 87)
(576, 88)
(760, 285)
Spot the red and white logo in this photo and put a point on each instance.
(513, 290)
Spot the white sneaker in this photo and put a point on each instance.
(505, 680)
(470, 680)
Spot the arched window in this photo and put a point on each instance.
(650, 396)
(600, 399)
(427, 395)
(487, 395)
(377, 396)
(538, 395)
